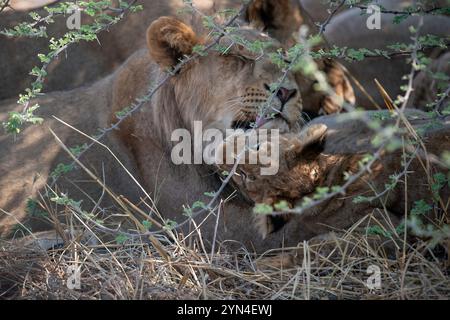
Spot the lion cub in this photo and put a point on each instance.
(287, 185)
(326, 152)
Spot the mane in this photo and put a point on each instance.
(167, 116)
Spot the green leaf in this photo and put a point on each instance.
(400, 18)
(170, 224)
(199, 205)
(282, 206)
(121, 239)
(263, 209)
(421, 208)
(377, 230)
(147, 224)
(210, 194)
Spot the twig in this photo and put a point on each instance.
(440, 102)
(323, 26)
(398, 12)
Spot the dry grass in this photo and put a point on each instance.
(170, 266)
(137, 270)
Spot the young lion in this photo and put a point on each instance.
(217, 89)
(325, 153)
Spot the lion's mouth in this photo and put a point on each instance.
(257, 122)
(243, 125)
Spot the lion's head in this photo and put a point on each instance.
(224, 89)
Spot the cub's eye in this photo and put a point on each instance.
(251, 178)
(248, 178)
(243, 60)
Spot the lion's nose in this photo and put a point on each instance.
(283, 94)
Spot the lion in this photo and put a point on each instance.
(328, 150)
(348, 28)
(218, 89)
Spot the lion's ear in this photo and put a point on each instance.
(169, 39)
(280, 18)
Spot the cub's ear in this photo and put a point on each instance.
(168, 39)
(310, 140)
(312, 134)
(280, 18)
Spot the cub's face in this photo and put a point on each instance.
(298, 176)
(299, 170)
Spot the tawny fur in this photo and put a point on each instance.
(89, 61)
(280, 18)
(317, 102)
(348, 29)
(211, 89)
(429, 89)
(86, 62)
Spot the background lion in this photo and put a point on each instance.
(348, 29)
(431, 85)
